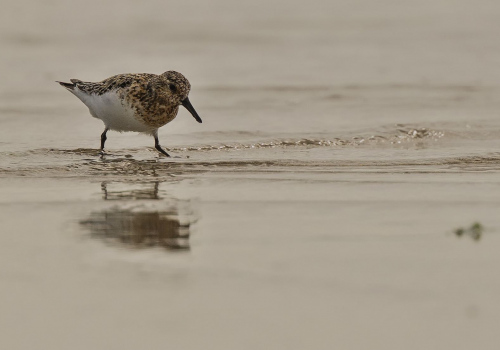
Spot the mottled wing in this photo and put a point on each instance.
(114, 83)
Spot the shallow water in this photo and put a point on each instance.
(317, 206)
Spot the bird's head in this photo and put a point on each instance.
(177, 90)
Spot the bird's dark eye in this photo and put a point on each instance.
(172, 87)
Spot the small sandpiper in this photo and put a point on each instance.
(135, 102)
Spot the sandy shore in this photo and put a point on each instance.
(310, 267)
(341, 193)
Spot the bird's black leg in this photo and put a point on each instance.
(103, 139)
(158, 147)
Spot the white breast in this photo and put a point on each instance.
(114, 112)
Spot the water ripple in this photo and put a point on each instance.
(146, 163)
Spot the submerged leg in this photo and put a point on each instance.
(157, 145)
(103, 139)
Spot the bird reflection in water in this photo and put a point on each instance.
(141, 218)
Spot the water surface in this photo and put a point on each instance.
(317, 206)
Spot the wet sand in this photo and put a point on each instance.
(266, 260)
(318, 206)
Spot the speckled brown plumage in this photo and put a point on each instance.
(150, 95)
(135, 102)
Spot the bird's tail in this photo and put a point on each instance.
(72, 85)
(69, 86)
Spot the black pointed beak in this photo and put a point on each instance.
(191, 110)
